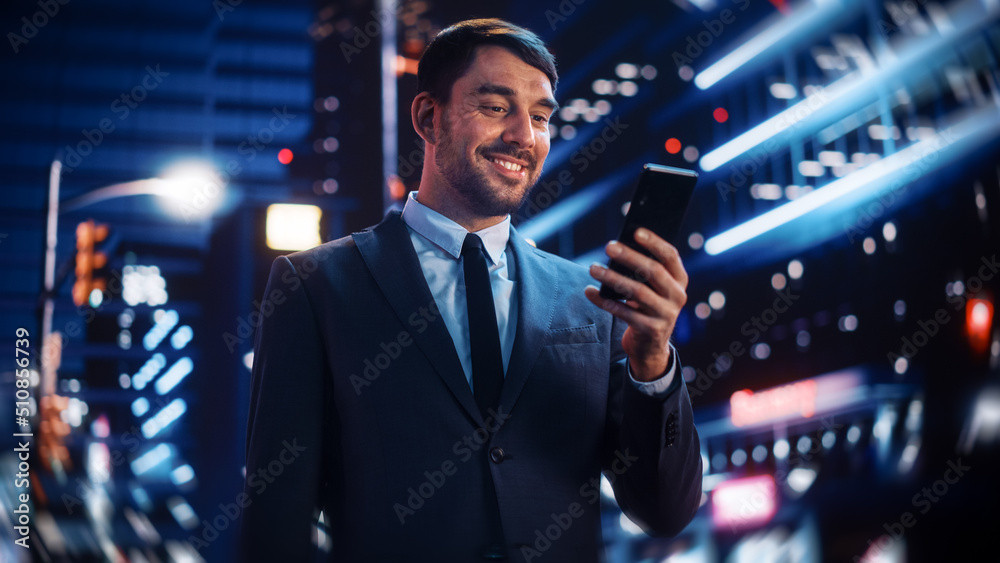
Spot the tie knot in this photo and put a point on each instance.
(472, 244)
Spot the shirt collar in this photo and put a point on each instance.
(449, 235)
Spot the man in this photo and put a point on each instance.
(384, 397)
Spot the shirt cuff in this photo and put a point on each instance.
(661, 386)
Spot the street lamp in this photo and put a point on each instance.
(189, 188)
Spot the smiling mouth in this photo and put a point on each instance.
(507, 168)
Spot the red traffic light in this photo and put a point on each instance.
(978, 321)
(88, 234)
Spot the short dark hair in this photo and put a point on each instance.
(451, 53)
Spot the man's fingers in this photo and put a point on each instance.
(666, 253)
(625, 312)
(663, 271)
(646, 269)
(641, 321)
(632, 290)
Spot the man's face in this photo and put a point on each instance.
(493, 135)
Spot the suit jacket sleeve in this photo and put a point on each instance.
(289, 412)
(654, 455)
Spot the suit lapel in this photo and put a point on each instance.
(538, 291)
(389, 255)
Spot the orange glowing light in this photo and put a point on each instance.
(405, 65)
(397, 189)
(673, 146)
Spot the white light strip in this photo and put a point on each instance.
(182, 474)
(174, 375)
(164, 418)
(815, 199)
(181, 337)
(159, 331)
(969, 17)
(148, 460)
(984, 120)
(760, 42)
(183, 513)
(774, 126)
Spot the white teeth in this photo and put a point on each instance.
(508, 165)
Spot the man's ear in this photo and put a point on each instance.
(422, 113)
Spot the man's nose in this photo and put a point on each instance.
(518, 130)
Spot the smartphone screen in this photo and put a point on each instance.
(658, 204)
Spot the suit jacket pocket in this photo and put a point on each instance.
(586, 334)
(569, 381)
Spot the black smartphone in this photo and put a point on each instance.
(659, 202)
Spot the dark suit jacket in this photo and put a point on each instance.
(360, 407)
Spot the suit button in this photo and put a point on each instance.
(497, 455)
(671, 425)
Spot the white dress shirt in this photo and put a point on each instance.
(438, 241)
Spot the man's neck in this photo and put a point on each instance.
(456, 212)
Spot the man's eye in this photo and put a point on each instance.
(496, 109)
(540, 118)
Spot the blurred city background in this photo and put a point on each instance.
(840, 341)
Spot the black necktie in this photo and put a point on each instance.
(484, 337)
